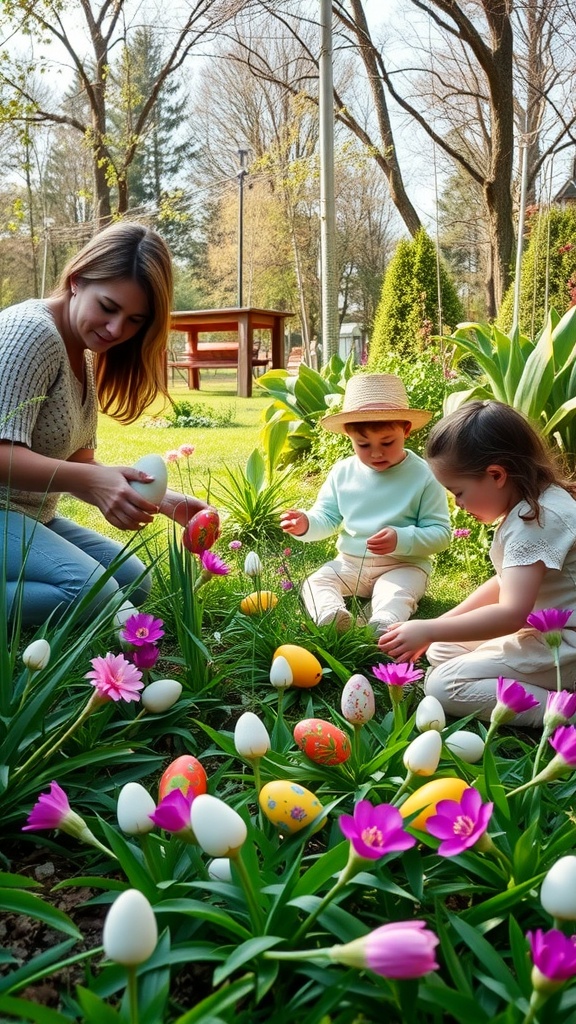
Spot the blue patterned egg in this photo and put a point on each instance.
(290, 807)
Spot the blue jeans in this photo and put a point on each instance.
(58, 562)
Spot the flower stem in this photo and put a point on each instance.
(557, 663)
(132, 990)
(539, 752)
(400, 792)
(253, 907)
(47, 749)
(352, 867)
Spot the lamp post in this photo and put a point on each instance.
(328, 277)
(242, 154)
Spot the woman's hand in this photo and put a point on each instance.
(181, 507)
(108, 488)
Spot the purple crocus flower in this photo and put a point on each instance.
(52, 810)
(402, 949)
(554, 957)
(142, 629)
(173, 812)
(511, 700)
(145, 656)
(213, 564)
(397, 674)
(550, 622)
(375, 831)
(563, 740)
(459, 824)
(560, 707)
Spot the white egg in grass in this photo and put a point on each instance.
(558, 891)
(155, 489)
(468, 746)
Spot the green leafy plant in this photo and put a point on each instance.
(252, 498)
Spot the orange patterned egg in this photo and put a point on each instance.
(202, 531)
(321, 741)
(185, 773)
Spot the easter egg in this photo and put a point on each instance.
(357, 701)
(201, 531)
(289, 807)
(258, 602)
(306, 669)
(155, 490)
(558, 892)
(426, 798)
(321, 741)
(185, 773)
(468, 746)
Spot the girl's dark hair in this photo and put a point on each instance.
(482, 434)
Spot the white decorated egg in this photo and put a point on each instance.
(155, 490)
(468, 746)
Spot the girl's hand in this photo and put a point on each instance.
(406, 641)
(384, 542)
(294, 522)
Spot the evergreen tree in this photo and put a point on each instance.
(408, 310)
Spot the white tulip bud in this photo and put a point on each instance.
(558, 891)
(219, 870)
(133, 810)
(251, 737)
(161, 695)
(280, 673)
(252, 564)
(422, 756)
(430, 715)
(130, 931)
(468, 746)
(37, 655)
(219, 829)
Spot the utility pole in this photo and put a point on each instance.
(328, 281)
(242, 154)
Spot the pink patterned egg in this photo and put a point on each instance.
(185, 773)
(357, 701)
(322, 742)
(202, 531)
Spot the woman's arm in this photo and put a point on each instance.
(181, 507)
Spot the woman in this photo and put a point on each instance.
(99, 340)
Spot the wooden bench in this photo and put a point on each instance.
(212, 356)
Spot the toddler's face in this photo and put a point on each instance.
(380, 448)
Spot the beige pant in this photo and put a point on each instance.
(395, 588)
(464, 676)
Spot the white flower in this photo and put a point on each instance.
(130, 931)
(133, 810)
(430, 715)
(251, 737)
(252, 564)
(37, 655)
(219, 870)
(422, 756)
(281, 675)
(558, 892)
(161, 695)
(219, 829)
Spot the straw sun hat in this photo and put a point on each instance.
(375, 398)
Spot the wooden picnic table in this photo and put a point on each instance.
(242, 321)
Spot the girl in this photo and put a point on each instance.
(499, 470)
(99, 340)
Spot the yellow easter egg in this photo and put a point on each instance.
(427, 796)
(289, 807)
(306, 669)
(258, 602)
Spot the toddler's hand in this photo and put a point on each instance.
(384, 542)
(405, 641)
(294, 522)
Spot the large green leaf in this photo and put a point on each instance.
(17, 902)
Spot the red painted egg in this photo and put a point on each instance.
(322, 742)
(185, 773)
(202, 531)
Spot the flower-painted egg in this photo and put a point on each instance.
(202, 531)
(357, 701)
(425, 799)
(185, 773)
(258, 602)
(468, 746)
(306, 669)
(321, 741)
(155, 489)
(290, 807)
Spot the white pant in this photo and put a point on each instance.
(394, 586)
(464, 676)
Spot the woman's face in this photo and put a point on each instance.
(103, 314)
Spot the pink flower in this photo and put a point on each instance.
(213, 564)
(51, 810)
(550, 621)
(172, 456)
(403, 949)
(173, 812)
(554, 956)
(287, 585)
(564, 742)
(560, 707)
(287, 552)
(142, 629)
(459, 824)
(375, 831)
(115, 678)
(397, 675)
(235, 545)
(186, 450)
(462, 532)
(145, 656)
(511, 700)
